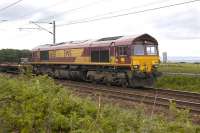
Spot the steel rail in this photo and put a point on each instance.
(171, 94)
(182, 74)
(185, 94)
(194, 107)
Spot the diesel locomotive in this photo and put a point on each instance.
(119, 60)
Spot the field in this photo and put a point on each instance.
(179, 82)
(37, 104)
(180, 68)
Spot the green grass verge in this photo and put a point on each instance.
(37, 105)
(184, 83)
(180, 68)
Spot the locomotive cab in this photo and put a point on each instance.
(145, 60)
(144, 56)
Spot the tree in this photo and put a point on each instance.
(13, 55)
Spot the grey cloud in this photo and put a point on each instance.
(183, 25)
(51, 16)
(16, 12)
(24, 12)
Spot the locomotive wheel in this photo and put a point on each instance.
(91, 79)
(83, 75)
(108, 84)
(106, 81)
(124, 84)
(94, 82)
(131, 83)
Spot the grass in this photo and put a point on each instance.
(37, 104)
(180, 82)
(180, 68)
(184, 83)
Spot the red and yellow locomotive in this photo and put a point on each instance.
(120, 60)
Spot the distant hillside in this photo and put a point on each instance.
(189, 59)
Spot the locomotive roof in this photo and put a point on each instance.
(102, 42)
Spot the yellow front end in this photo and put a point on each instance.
(145, 63)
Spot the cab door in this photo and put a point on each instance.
(122, 55)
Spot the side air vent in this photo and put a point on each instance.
(77, 42)
(57, 44)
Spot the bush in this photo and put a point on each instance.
(37, 104)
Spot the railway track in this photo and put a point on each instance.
(181, 74)
(151, 96)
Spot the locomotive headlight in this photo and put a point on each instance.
(155, 66)
(136, 66)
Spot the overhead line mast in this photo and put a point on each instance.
(54, 29)
(42, 28)
(85, 20)
(54, 32)
(68, 11)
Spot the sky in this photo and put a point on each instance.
(177, 28)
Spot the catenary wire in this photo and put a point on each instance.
(38, 10)
(148, 4)
(129, 13)
(72, 10)
(10, 5)
(135, 7)
(127, 9)
(85, 20)
(41, 9)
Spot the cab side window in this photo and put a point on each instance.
(122, 51)
(138, 50)
(36, 54)
(151, 50)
